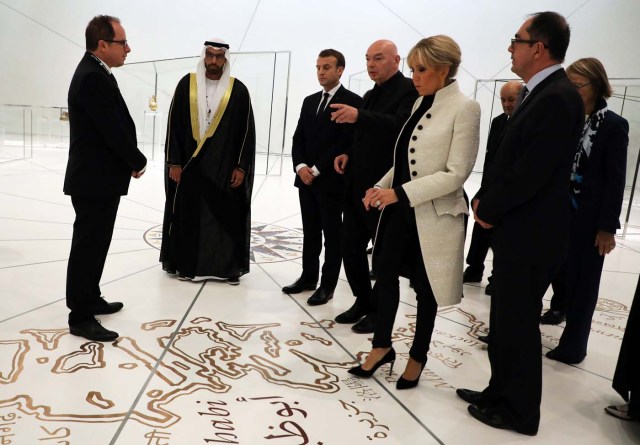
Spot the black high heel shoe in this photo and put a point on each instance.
(403, 383)
(390, 356)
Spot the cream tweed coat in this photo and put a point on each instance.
(444, 145)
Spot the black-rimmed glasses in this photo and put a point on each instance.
(528, 42)
(119, 42)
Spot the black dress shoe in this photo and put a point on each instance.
(490, 416)
(351, 315)
(558, 355)
(552, 317)
(104, 308)
(320, 296)
(484, 338)
(92, 330)
(471, 275)
(470, 396)
(300, 285)
(365, 326)
(489, 289)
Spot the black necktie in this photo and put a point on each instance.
(525, 91)
(323, 103)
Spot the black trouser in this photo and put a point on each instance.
(559, 285)
(358, 227)
(479, 247)
(515, 350)
(92, 232)
(400, 247)
(321, 213)
(583, 270)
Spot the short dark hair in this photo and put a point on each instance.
(333, 53)
(553, 30)
(99, 28)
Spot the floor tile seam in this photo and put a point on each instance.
(153, 372)
(133, 201)
(256, 193)
(67, 259)
(346, 350)
(64, 298)
(70, 223)
(547, 347)
(44, 167)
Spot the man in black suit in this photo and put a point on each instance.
(526, 201)
(103, 156)
(481, 238)
(377, 125)
(316, 142)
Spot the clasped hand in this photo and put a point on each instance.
(379, 198)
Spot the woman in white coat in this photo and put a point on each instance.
(421, 230)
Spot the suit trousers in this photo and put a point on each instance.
(400, 251)
(480, 243)
(515, 351)
(358, 227)
(92, 232)
(559, 285)
(321, 214)
(583, 272)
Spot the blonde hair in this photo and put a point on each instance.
(435, 51)
(592, 69)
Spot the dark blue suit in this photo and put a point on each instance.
(599, 204)
(316, 142)
(525, 197)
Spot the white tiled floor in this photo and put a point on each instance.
(211, 363)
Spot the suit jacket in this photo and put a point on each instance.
(441, 155)
(498, 124)
(386, 108)
(600, 199)
(317, 140)
(526, 190)
(103, 147)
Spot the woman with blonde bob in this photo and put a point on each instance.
(421, 231)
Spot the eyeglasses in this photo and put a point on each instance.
(528, 42)
(119, 42)
(578, 86)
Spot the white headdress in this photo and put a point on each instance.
(201, 81)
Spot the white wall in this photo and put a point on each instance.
(41, 42)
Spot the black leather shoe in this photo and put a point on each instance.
(484, 338)
(365, 326)
(489, 289)
(351, 315)
(490, 416)
(320, 296)
(552, 317)
(300, 285)
(470, 396)
(104, 308)
(557, 355)
(93, 330)
(471, 275)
